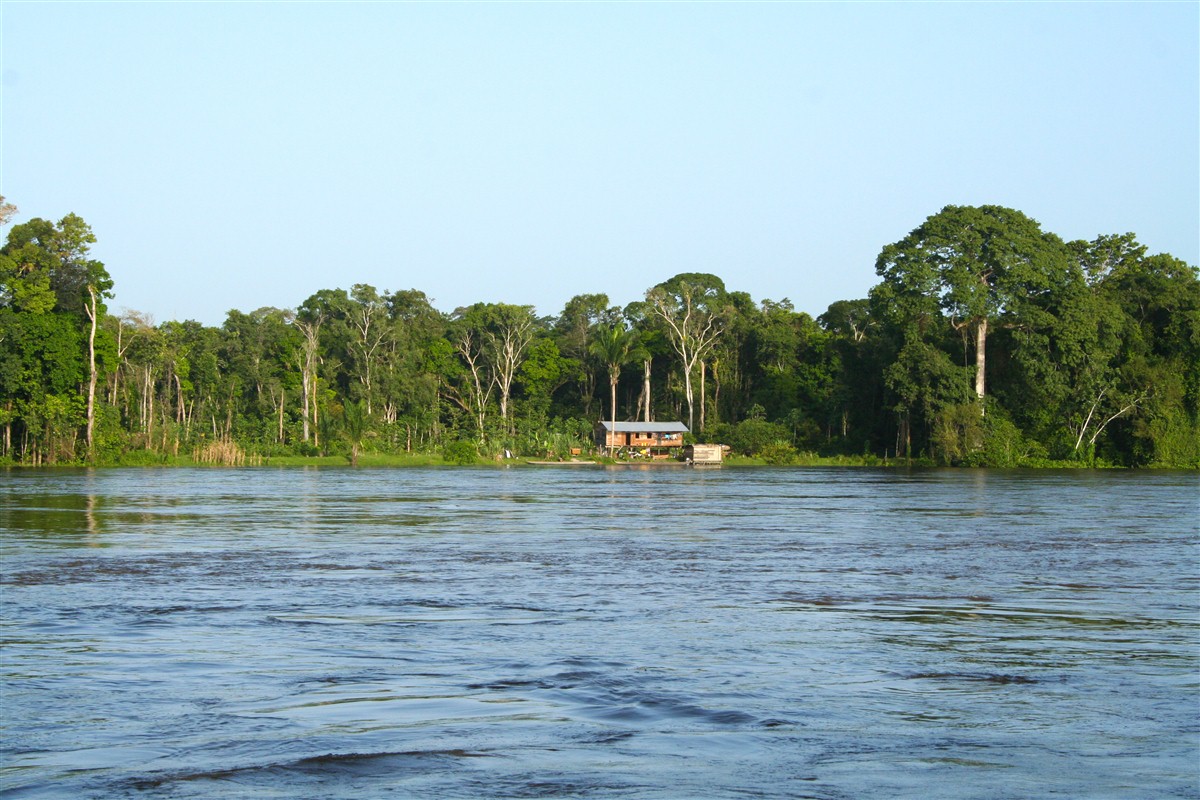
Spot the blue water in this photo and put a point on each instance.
(588, 632)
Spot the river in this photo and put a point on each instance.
(591, 632)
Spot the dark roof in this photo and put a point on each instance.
(646, 427)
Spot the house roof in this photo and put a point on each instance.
(645, 427)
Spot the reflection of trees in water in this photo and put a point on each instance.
(93, 526)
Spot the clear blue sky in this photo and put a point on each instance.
(237, 155)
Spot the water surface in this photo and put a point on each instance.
(659, 633)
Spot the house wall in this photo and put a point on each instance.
(608, 439)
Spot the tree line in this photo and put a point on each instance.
(986, 342)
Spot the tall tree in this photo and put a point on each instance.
(308, 321)
(981, 263)
(576, 328)
(693, 310)
(467, 335)
(57, 257)
(408, 390)
(367, 316)
(613, 347)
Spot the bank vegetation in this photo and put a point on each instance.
(987, 342)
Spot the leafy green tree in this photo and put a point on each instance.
(42, 261)
(260, 348)
(729, 362)
(410, 391)
(982, 264)
(575, 330)
(1153, 380)
(848, 323)
(543, 371)
(41, 369)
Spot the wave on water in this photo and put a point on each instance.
(321, 770)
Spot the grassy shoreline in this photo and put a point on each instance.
(405, 460)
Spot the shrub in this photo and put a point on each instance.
(749, 437)
(462, 453)
(778, 453)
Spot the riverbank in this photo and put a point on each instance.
(403, 460)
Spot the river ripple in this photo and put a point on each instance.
(656, 633)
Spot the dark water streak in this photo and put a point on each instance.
(601, 633)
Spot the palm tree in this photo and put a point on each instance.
(613, 345)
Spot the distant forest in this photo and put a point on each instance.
(987, 342)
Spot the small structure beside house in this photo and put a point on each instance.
(650, 439)
(704, 454)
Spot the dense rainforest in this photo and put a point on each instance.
(987, 342)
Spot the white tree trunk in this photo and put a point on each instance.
(92, 312)
(646, 390)
(981, 331)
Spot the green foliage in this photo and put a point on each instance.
(753, 437)
(461, 453)
(958, 433)
(1085, 354)
(354, 427)
(1174, 440)
(778, 454)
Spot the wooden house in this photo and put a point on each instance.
(653, 439)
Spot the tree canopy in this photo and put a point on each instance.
(987, 341)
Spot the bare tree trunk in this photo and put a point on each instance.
(612, 385)
(689, 395)
(304, 413)
(716, 389)
(587, 392)
(703, 375)
(181, 407)
(981, 331)
(315, 411)
(92, 312)
(646, 389)
(142, 403)
(149, 409)
(308, 372)
(467, 347)
(112, 397)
